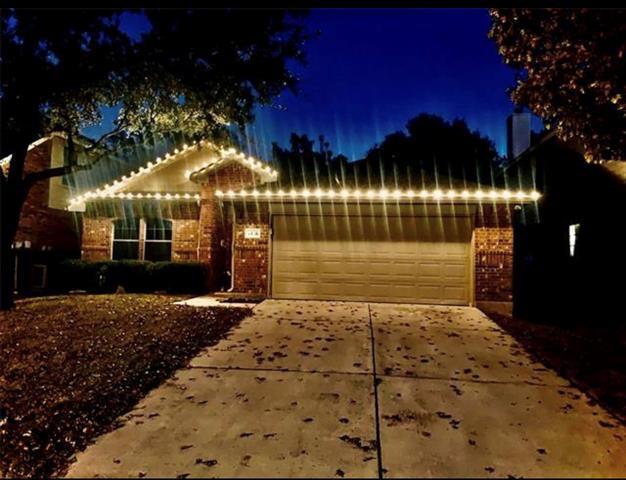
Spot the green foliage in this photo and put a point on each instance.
(304, 165)
(431, 152)
(433, 149)
(134, 275)
(193, 70)
(572, 72)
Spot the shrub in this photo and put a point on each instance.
(133, 275)
(179, 277)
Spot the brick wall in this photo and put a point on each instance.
(215, 223)
(493, 250)
(233, 176)
(185, 240)
(96, 240)
(251, 257)
(40, 225)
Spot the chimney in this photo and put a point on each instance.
(517, 133)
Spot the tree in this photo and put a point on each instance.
(303, 166)
(572, 72)
(432, 149)
(195, 71)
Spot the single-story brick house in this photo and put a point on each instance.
(440, 242)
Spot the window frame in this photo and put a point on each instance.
(113, 239)
(142, 239)
(146, 241)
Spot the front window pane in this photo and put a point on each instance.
(158, 229)
(158, 251)
(126, 229)
(124, 250)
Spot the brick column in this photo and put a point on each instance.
(493, 248)
(213, 248)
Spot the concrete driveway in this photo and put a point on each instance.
(333, 389)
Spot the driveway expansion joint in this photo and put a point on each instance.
(473, 380)
(277, 370)
(379, 447)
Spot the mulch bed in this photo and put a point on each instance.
(591, 357)
(69, 366)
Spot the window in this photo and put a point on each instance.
(125, 239)
(40, 276)
(158, 244)
(573, 235)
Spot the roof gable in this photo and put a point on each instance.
(176, 174)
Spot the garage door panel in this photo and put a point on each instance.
(404, 259)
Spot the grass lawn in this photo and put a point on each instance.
(591, 357)
(69, 366)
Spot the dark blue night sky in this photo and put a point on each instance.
(370, 70)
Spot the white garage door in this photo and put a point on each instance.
(374, 258)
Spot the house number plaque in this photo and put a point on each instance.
(252, 233)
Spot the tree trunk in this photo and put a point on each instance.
(12, 197)
(7, 269)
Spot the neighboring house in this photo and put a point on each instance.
(440, 241)
(570, 254)
(46, 231)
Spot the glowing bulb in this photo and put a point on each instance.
(464, 194)
(535, 195)
(437, 194)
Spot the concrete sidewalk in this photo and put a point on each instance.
(333, 389)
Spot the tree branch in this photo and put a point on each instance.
(104, 137)
(32, 178)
